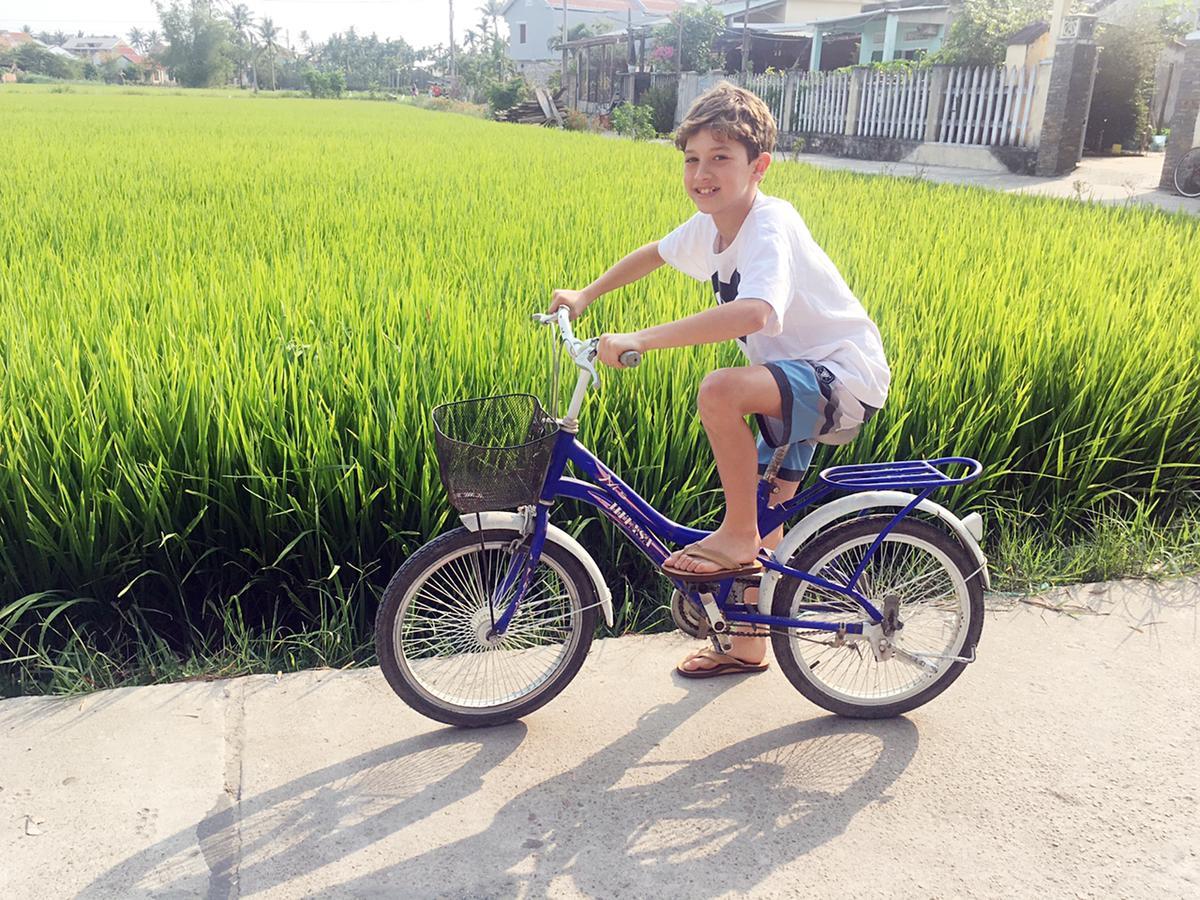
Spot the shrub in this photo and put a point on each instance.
(634, 121)
(661, 100)
(506, 94)
(325, 84)
(574, 120)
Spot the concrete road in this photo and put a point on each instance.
(1062, 764)
(1108, 180)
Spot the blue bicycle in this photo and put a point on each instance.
(874, 600)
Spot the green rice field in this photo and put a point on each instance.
(227, 320)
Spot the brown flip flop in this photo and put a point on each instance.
(736, 667)
(729, 568)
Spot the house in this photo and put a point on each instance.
(99, 50)
(105, 49)
(780, 33)
(533, 24)
(1029, 46)
(795, 12)
(887, 31)
(10, 40)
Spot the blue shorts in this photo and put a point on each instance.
(817, 409)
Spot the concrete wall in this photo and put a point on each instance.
(543, 23)
(1166, 86)
(1185, 125)
(988, 159)
(1029, 54)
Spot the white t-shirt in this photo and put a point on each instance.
(814, 314)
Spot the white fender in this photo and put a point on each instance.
(968, 531)
(555, 535)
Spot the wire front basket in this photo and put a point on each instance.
(493, 452)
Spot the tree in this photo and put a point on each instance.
(199, 52)
(491, 10)
(979, 34)
(1124, 88)
(37, 60)
(242, 23)
(268, 31)
(137, 39)
(702, 25)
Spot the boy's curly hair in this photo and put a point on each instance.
(734, 114)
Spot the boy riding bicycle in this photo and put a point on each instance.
(817, 368)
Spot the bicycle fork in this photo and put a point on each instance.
(525, 555)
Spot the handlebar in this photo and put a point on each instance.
(562, 317)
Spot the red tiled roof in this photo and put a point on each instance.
(15, 38)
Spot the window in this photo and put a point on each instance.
(877, 56)
(521, 28)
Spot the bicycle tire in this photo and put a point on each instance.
(452, 628)
(1187, 174)
(820, 557)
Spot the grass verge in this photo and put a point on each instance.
(56, 656)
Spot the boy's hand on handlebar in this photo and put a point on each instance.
(613, 345)
(574, 301)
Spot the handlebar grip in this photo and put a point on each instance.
(630, 359)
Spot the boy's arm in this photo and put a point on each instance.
(638, 264)
(743, 316)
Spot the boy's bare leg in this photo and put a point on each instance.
(751, 649)
(726, 398)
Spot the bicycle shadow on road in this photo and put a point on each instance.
(623, 820)
(300, 826)
(620, 825)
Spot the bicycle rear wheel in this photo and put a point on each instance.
(431, 631)
(921, 572)
(1187, 174)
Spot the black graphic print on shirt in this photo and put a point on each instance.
(727, 291)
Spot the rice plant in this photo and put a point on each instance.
(228, 320)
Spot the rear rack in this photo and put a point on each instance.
(917, 473)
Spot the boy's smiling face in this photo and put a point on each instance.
(718, 174)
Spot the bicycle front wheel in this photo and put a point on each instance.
(1187, 174)
(923, 575)
(432, 629)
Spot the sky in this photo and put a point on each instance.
(420, 22)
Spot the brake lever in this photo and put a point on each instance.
(585, 355)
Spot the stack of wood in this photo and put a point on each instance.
(542, 110)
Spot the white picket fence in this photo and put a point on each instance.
(988, 106)
(978, 105)
(820, 101)
(894, 104)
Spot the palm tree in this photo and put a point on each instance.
(306, 42)
(137, 39)
(152, 39)
(241, 21)
(268, 32)
(491, 10)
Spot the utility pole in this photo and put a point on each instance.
(746, 40)
(563, 80)
(452, 60)
(679, 43)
